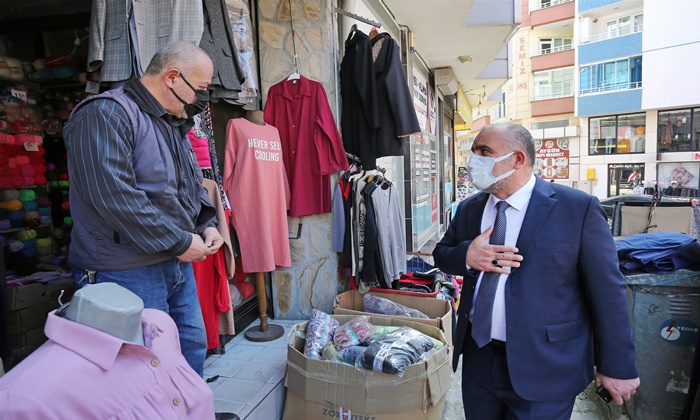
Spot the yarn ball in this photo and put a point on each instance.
(6, 195)
(44, 251)
(11, 205)
(39, 180)
(246, 289)
(43, 242)
(43, 201)
(68, 221)
(14, 245)
(22, 160)
(26, 235)
(5, 224)
(45, 220)
(39, 169)
(30, 206)
(27, 195)
(17, 215)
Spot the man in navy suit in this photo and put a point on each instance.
(557, 304)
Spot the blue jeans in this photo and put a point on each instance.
(170, 287)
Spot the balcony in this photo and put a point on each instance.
(544, 4)
(557, 11)
(481, 122)
(613, 87)
(612, 34)
(553, 104)
(554, 58)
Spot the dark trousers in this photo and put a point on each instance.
(487, 392)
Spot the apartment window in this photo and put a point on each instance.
(612, 75)
(617, 134)
(679, 130)
(624, 25)
(552, 45)
(554, 84)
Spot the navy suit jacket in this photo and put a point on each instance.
(566, 299)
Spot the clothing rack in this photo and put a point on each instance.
(358, 17)
(353, 157)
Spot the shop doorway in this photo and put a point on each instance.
(623, 177)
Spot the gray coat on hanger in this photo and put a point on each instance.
(218, 42)
(157, 23)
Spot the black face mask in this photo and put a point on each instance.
(200, 102)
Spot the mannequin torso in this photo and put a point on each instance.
(256, 117)
(109, 308)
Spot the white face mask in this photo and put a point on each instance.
(480, 170)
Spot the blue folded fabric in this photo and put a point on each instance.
(658, 252)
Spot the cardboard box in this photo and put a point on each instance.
(33, 338)
(317, 387)
(295, 407)
(30, 318)
(439, 310)
(21, 297)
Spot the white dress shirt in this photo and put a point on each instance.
(515, 214)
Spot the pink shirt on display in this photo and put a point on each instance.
(256, 184)
(84, 373)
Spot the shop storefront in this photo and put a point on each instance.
(268, 44)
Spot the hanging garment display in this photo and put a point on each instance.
(311, 145)
(242, 30)
(360, 118)
(218, 42)
(377, 103)
(156, 23)
(397, 116)
(212, 276)
(256, 185)
(374, 245)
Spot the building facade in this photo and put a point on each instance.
(608, 92)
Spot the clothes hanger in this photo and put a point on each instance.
(295, 75)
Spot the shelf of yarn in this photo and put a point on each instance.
(3, 231)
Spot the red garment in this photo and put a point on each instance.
(311, 144)
(256, 185)
(213, 293)
(201, 149)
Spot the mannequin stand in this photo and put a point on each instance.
(264, 332)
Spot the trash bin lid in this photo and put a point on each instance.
(678, 278)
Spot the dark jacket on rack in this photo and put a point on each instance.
(359, 107)
(397, 117)
(218, 43)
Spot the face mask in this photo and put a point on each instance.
(200, 102)
(480, 170)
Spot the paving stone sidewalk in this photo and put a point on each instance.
(587, 407)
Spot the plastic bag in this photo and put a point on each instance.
(350, 354)
(396, 351)
(380, 305)
(319, 332)
(330, 352)
(354, 332)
